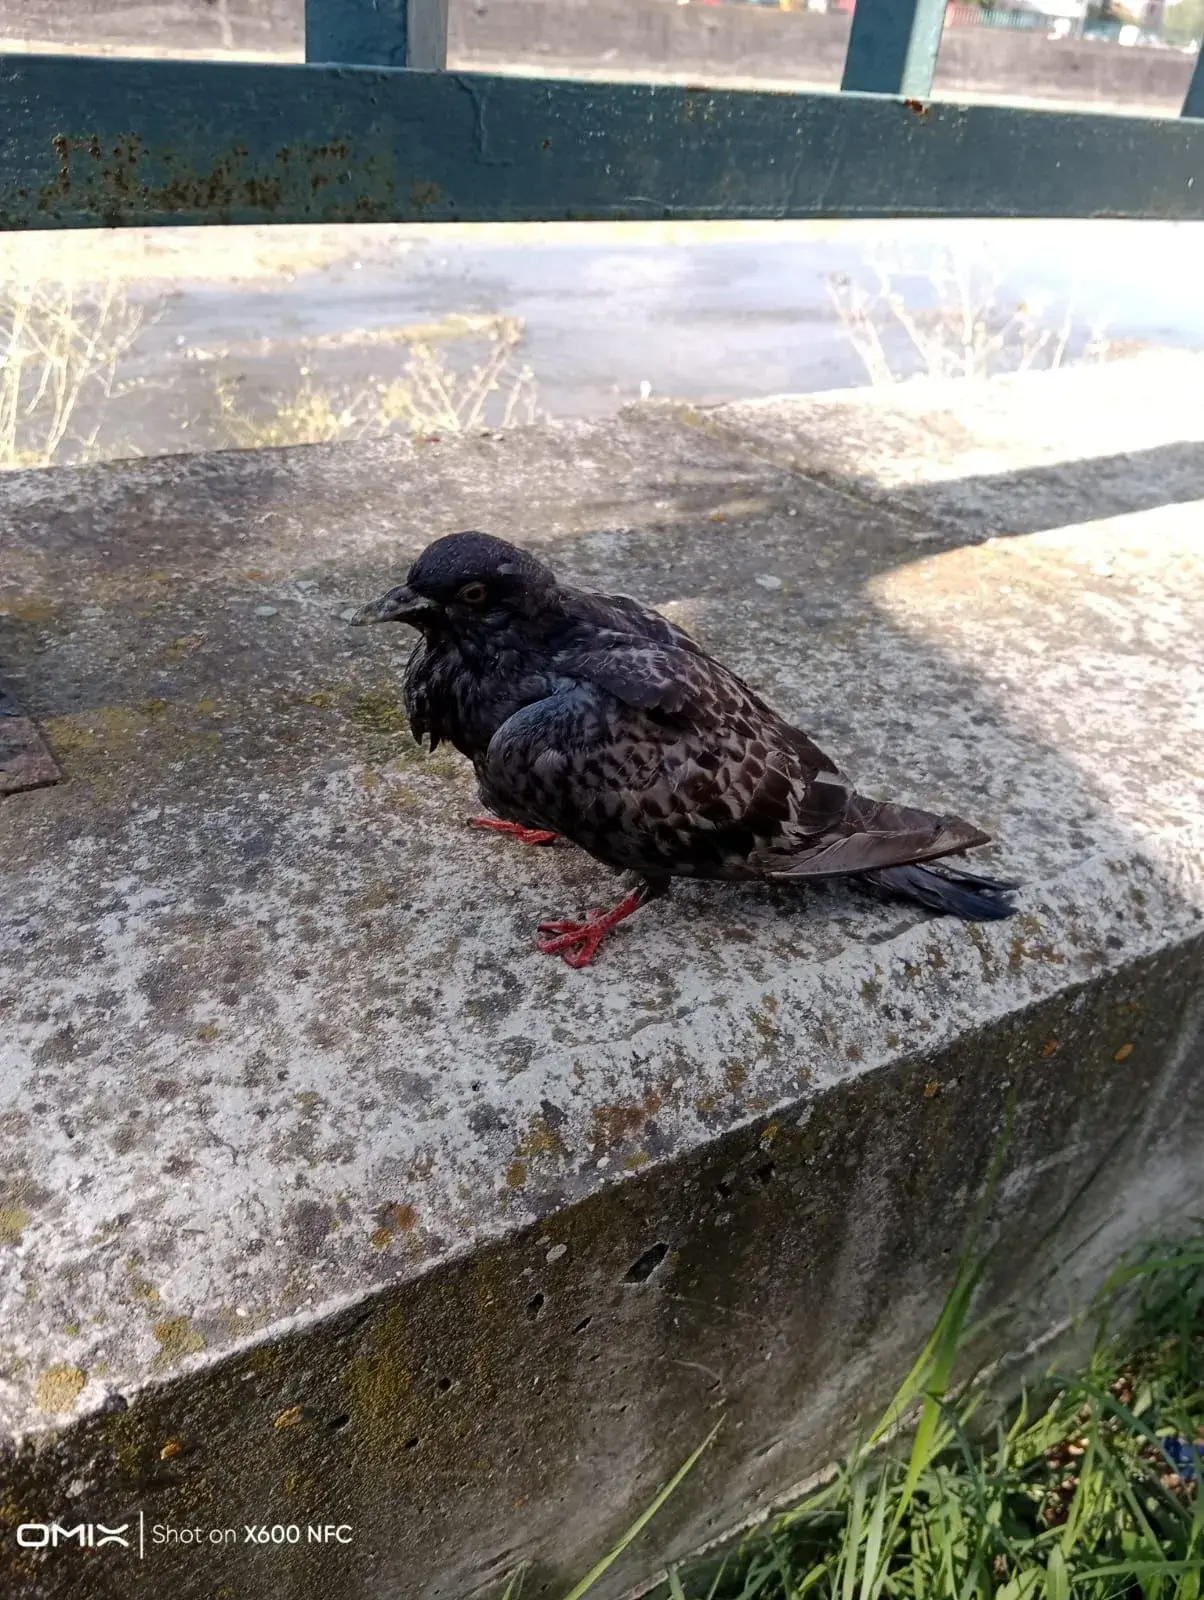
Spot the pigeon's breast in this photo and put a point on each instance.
(465, 701)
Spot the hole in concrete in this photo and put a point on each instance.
(444, 1385)
(765, 1174)
(534, 1306)
(642, 1269)
(723, 1189)
(412, 1442)
(338, 1422)
(583, 1325)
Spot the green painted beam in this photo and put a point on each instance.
(125, 143)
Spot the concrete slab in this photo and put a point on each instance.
(328, 1200)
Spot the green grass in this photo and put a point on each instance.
(1077, 1490)
(1084, 1488)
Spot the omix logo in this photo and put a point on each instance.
(87, 1535)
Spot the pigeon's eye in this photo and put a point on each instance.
(472, 594)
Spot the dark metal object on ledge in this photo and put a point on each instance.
(25, 762)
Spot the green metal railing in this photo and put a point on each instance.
(372, 128)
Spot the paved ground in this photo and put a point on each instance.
(698, 312)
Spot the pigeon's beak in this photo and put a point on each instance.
(399, 605)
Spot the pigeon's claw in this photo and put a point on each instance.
(576, 943)
(515, 830)
(572, 927)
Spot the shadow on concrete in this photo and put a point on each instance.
(1062, 493)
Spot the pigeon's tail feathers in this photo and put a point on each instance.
(882, 836)
(956, 894)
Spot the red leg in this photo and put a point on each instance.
(577, 942)
(515, 830)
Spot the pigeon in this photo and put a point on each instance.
(591, 717)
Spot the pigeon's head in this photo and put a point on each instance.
(466, 584)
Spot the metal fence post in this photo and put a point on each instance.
(377, 33)
(893, 47)
(1193, 106)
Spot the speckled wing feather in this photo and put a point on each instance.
(620, 615)
(658, 759)
(657, 676)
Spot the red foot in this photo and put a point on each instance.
(577, 942)
(515, 830)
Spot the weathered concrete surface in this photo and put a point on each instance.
(214, 26)
(327, 1199)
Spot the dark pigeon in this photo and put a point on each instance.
(591, 717)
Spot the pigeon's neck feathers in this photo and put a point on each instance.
(463, 689)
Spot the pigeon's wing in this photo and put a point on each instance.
(646, 676)
(612, 622)
(655, 675)
(620, 616)
(656, 759)
(660, 760)
(807, 820)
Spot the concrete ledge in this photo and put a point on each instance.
(328, 1200)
